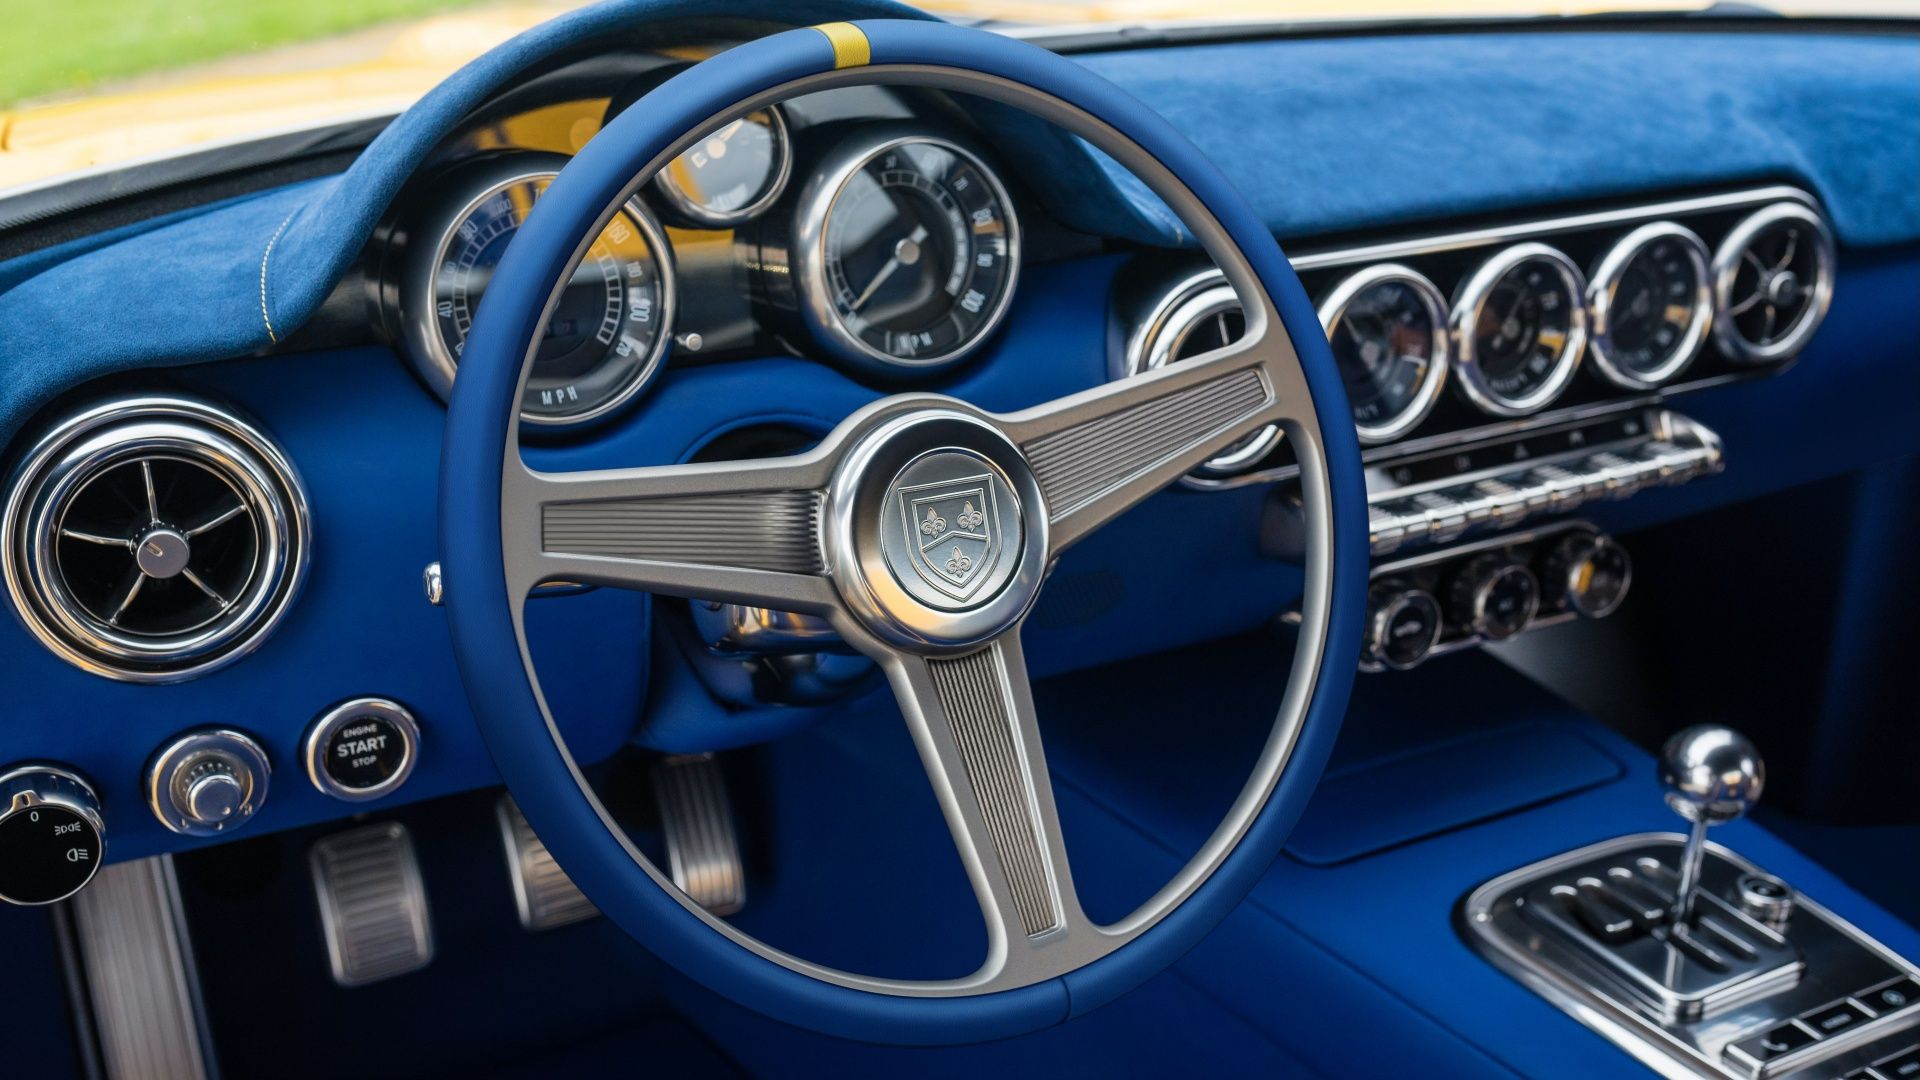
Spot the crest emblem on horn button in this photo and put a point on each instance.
(952, 532)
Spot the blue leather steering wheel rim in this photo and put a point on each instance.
(505, 700)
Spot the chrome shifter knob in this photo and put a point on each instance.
(1710, 775)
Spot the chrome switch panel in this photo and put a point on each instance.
(1726, 997)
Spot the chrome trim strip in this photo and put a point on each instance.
(1467, 239)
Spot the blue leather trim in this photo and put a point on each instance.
(481, 411)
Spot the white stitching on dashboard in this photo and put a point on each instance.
(264, 256)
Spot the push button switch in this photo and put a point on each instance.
(362, 749)
(1892, 996)
(1902, 1066)
(1774, 1043)
(1836, 1018)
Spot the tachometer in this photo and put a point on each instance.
(605, 339)
(1388, 328)
(905, 250)
(1651, 305)
(1519, 325)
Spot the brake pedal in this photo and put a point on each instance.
(703, 848)
(545, 896)
(373, 906)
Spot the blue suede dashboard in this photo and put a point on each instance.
(1327, 136)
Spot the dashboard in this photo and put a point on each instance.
(219, 511)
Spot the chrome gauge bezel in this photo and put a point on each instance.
(1427, 395)
(1473, 295)
(1726, 267)
(1605, 281)
(1173, 319)
(688, 209)
(426, 350)
(812, 215)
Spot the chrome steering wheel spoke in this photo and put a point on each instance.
(740, 532)
(1098, 453)
(972, 719)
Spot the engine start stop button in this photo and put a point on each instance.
(362, 749)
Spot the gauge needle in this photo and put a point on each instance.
(905, 253)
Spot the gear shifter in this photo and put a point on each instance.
(1711, 775)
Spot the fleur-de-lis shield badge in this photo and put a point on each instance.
(951, 531)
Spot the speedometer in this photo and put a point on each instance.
(906, 250)
(605, 338)
(1519, 324)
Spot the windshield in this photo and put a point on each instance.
(96, 84)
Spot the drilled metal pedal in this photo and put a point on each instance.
(545, 896)
(373, 906)
(703, 849)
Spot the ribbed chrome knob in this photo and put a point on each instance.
(207, 782)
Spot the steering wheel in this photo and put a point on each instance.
(830, 533)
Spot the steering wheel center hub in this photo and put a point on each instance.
(954, 530)
(936, 530)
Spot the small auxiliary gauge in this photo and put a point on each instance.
(1519, 325)
(1651, 304)
(731, 175)
(1388, 328)
(606, 337)
(905, 251)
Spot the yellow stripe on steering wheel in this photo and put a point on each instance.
(850, 45)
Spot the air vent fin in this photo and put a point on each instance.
(1773, 280)
(153, 539)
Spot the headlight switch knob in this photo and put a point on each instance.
(51, 834)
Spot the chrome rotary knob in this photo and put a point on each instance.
(208, 782)
(1710, 775)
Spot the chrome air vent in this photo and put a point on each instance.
(1772, 282)
(1197, 316)
(153, 539)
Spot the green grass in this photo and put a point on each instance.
(55, 46)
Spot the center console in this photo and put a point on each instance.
(1695, 960)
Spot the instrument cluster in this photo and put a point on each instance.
(888, 247)
(1456, 338)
